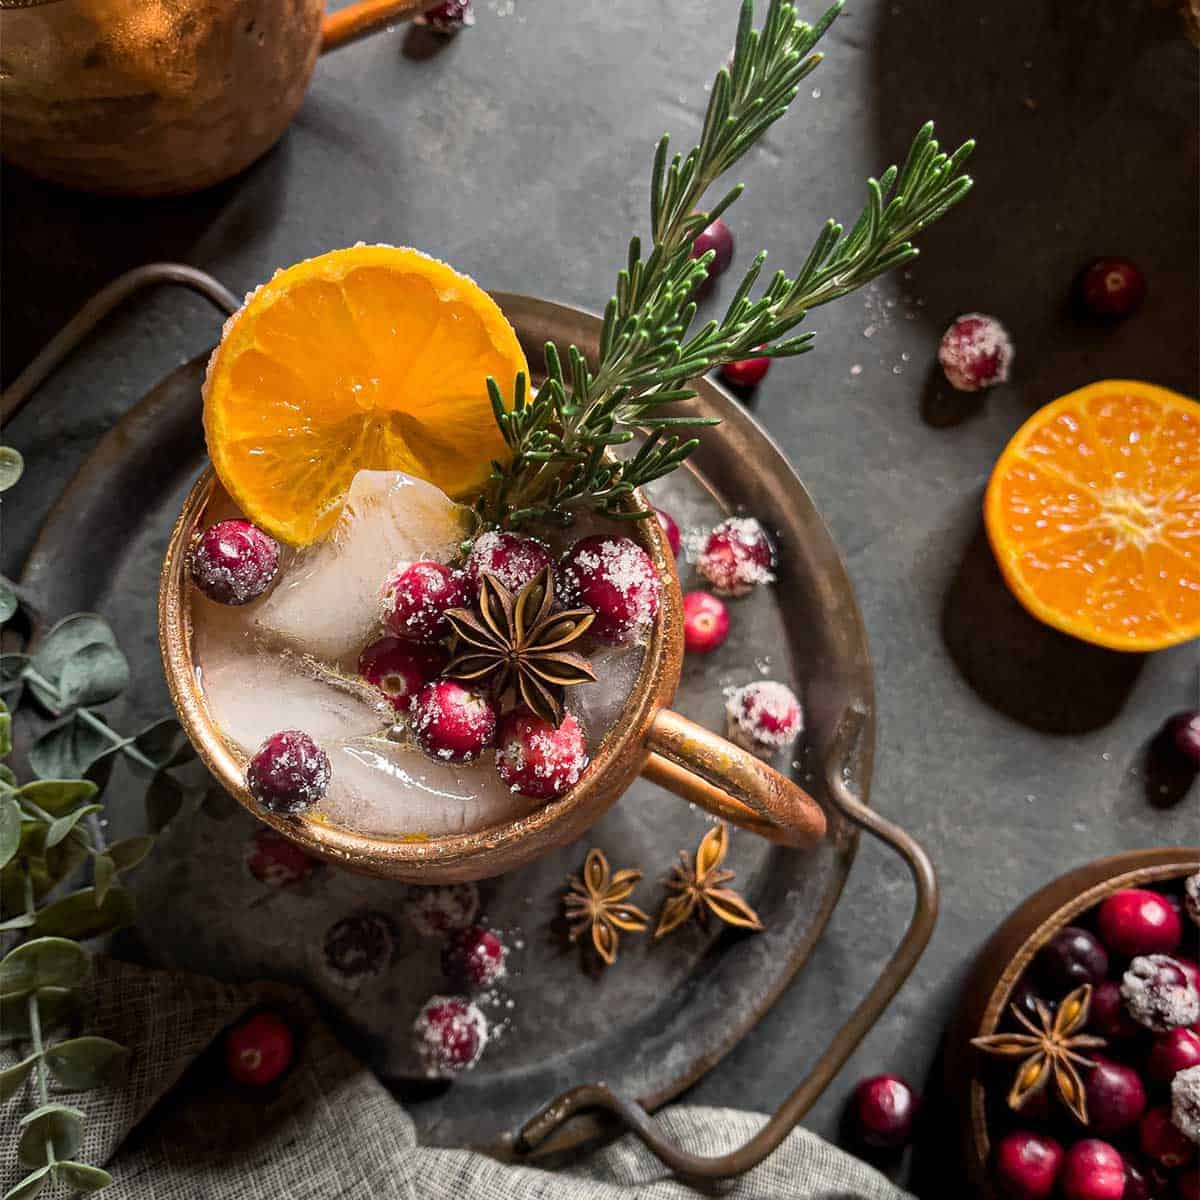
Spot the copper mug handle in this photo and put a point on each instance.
(367, 16)
(730, 782)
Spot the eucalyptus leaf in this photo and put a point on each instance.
(55, 1005)
(45, 962)
(5, 734)
(59, 862)
(64, 825)
(82, 1176)
(8, 601)
(164, 798)
(164, 743)
(30, 1186)
(69, 748)
(94, 675)
(130, 851)
(11, 1078)
(12, 675)
(79, 916)
(10, 829)
(58, 796)
(21, 921)
(7, 776)
(104, 871)
(86, 1062)
(57, 1123)
(12, 466)
(71, 636)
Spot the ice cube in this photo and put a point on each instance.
(598, 705)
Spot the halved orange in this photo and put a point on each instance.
(1093, 512)
(374, 357)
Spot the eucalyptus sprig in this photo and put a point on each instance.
(559, 437)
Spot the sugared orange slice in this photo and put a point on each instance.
(375, 358)
(1093, 512)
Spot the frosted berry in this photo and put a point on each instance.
(718, 238)
(274, 860)
(415, 599)
(1107, 1015)
(448, 17)
(259, 1049)
(1183, 734)
(736, 556)
(1174, 1051)
(975, 353)
(1191, 897)
(452, 722)
(1027, 1165)
(1092, 1170)
(233, 562)
(400, 669)
(1072, 957)
(746, 372)
(514, 559)
(1116, 1097)
(1161, 1142)
(613, 576)
(1136, 921)
(1185, 1103)
(359, 947)
(883, 1110)
(535, 759)
(289, 773)
(449, 1035)
(670, 529)
(705, 622)
(1158, 993)
(439, 910)
(1112, 287)
(474, 958)
(764, 717)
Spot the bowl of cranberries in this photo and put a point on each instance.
(1077, 1050)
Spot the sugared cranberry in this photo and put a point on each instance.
(450, 1034)
(746, 372)
(705, 622)
(289, 773)
(1072, 957)
(1185, 1103)
(1092, 1170)
(1172, 1052)
(275, 861)
(439, 910)
(1183, 732)
(975, 353)
(1187, 1184)
(614, 577)
(359, 947)
(670, 529)
(1027, 1165)
(764, 717)
(535, 759)
(1116, 1097)
(452, 722)
(1144, 1180)
(718, 238)
(259, 1049)
(883, 1110)
(513, 558)
(1136, 921)
(1111, 287)
(233, 562)
(1107, 1015)
(448, 17)
(1191, 897)
(736, 556)
(400, 669)
(474, 957)
(1161, 1141)
(415, 599)
(1158, 993)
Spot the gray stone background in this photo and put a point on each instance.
(520, 152)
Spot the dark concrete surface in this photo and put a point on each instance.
(520, 153)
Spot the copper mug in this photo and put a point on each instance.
(159, 97)
(647, 739)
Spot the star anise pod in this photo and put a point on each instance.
(521, 641)
(597, 901)
(697, 884)
(1052, 1050)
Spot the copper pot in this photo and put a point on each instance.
(158, 97)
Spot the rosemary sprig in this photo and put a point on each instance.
(559, 437)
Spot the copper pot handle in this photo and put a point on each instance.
(729, 782)
(367, 16)
(537, 1133)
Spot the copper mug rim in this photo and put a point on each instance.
(648, 739)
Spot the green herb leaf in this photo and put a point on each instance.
(82, 1177)
(164, 798)
(45, 962)
(70, 748)
(21, 921)
(11, 1078)
(130, 851)
(5, 733)
(57, 796)
(30, 1186)
(7, 778)
(8, 601)
(12, 676)
(73, 636)
(57, 1123)
(94, 675)
(79, 916)
(103, 873)
(55, 1005)
(10, 829)
(59, 863)
(86, 1062)
(12, 466)
(64, 825)
(164, 743)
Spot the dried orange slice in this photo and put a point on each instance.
(375, 357)
(1093, 512)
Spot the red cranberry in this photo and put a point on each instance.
(746, 372)
(436, 911)
(1092, 1170)
(1187, 1184)
(975, 353)
(474, 957)
(400, 669)
(233, 562)
(670, 529)
(736, 556)
(259, 1049)
(1116, 1097)
(614, 577)
(1027, 1165)
(289, 773)
(1144, 1180)
(1183, 732)
(764, 717)
(1107, 1015)
(448, 17)
(535, 759)
(1072, 957)
(275, 861)
(450, 1034)
(514, 559)
(883, 1109)
(1136, 921)
(1162, 1142)
(1111, 287)
(1158, 993)
(1172, 1052)
(416, 597)
(452, 722)
(705, 622)
(718, 238)
(1190, 969)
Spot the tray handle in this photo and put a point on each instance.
(635, 1118)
